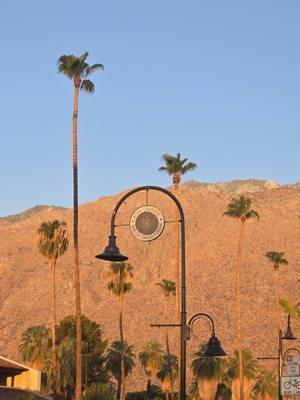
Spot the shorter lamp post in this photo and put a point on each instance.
(287, 336)
(213, 347)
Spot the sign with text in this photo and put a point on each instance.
(292, 365)
(290, 385)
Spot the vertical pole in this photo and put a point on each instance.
(183, 316)
(279, 363)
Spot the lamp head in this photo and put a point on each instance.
(288, 334)
(111, 252)
(213, 348)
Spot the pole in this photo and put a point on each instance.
(279, 363)
(183, 329)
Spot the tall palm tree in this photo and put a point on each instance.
(232, 374)
(168, 374)
(265, 387)
(176, 167)
(168, 288)
(120, 355)
(240, 208)
(207, 372)
(276, 259)
(151, 358)
(52, 244)
(119, 283)
(35, 346)
(78, 70)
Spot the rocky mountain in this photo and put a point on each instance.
(25, 289)
(11, 219)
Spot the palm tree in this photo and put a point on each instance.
(232, 374)
(119, 358)
(35, 346)
(52, 244)
(78, 70)
(288, 308)
(168, 374)
(207, 372)
(151, 359)
(240, 208)
(176, 167)
(276, 259)
(168, 288)
(265, 387)
(119, 283)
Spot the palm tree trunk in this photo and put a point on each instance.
(119, 384)
(76, 273)
(166, 313)
(239, 328)
(148, 387)
(177, 275)
(122, 366)
(53, 323)
(276, 296)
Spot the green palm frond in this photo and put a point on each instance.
(118, 351)
(151, 358)
(241, 208)
(77, 67)
(87, 86)
(53, 241)
(167, 286)
(265, 385)
(175, 165)
(249, 366)
(119, 278)
(206, 367)
(94, 68)
(276, 258)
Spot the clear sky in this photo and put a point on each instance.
(218, 81)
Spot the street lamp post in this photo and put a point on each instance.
(112, 253)
(287, 336)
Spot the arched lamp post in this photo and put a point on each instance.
(112, 253)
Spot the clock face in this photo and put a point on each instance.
(147, 223)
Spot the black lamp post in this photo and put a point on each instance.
(112, 253)
(287, 336)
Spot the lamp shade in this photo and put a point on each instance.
(213, 348)
(289, 334)
(111, 252)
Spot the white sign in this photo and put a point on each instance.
(290, 385)
(292, 365)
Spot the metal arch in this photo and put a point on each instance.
(199, 315)
(146, 188)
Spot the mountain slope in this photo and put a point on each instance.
(25, 291)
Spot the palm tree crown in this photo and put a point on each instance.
(276, 258)
(53, 242)
(119, 278)
(168, 287)
(151, 358)
(120, 351)
(77, 69)
(240, 208)
(206, 367)
(265, 386)
(176, 167)
(249, 363)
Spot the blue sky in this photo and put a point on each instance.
(218, 81)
